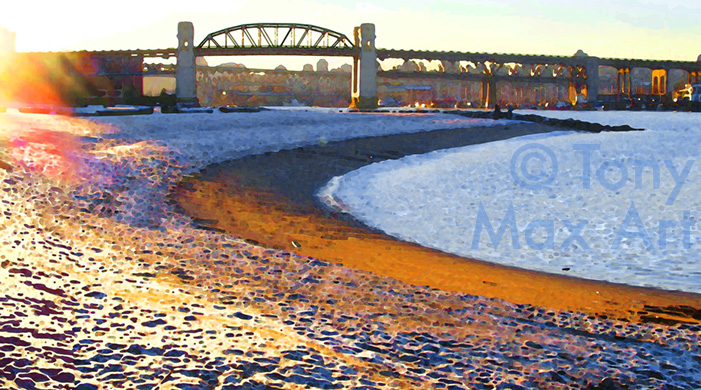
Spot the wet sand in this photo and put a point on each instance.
(269, 200)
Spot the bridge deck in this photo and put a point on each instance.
(689, 66)
(383, 54)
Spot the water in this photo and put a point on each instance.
(619, 207)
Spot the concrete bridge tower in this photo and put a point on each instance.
(592, 70)
(364, 89)
(185, 75)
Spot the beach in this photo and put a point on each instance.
(107, 285)
(270, 199)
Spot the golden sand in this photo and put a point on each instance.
(270, 219)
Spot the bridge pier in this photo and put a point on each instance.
(659, 82)
(364, 89)
(623, 82)
(185, 75)
(591, 68)
(488, 92)
(670, 84)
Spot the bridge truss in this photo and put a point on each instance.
(276, 39)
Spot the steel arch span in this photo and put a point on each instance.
(276, 36)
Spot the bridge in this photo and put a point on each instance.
(578, 74)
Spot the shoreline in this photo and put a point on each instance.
(107, 286)
(274, 207)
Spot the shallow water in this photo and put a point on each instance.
(627, 214)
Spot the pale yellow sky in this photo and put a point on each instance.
(652, 29)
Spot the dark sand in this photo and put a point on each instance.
(269, 199)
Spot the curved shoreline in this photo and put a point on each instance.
(269, 199)
(104, 293)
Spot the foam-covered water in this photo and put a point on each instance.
(620, 207)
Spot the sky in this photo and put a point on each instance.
(647, 29)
